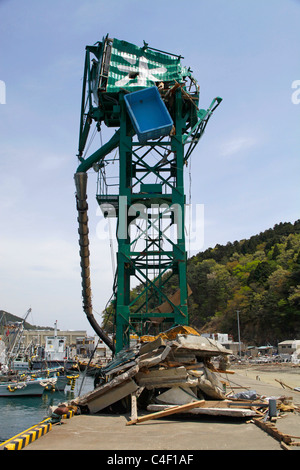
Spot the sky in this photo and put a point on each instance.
(244, 172)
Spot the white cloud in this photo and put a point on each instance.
(236, 145)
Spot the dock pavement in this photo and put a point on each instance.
(108, 432)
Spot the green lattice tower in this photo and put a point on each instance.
(154, 192)
(150, 204)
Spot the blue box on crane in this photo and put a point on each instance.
(149, 114)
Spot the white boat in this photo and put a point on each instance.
(31, 387)
(54, 354)
(60, 376)
(18, 377)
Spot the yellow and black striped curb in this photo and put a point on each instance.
(68, 415)
(26, 437)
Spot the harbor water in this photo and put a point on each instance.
(20, 413)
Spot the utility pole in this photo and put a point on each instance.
(239, 336)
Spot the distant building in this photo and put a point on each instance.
(220, 337)
(39, 337)
(76, 342)
(267, 350)
(234, 347)
(288, 346)
(103, 350)
(256, 351)
(226, 341)
(85, 347)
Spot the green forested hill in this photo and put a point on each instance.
(259, 277)
(6, 318)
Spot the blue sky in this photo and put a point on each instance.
(245, 171)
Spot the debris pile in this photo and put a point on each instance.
(176, 373)
(174, 369)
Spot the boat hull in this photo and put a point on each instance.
(16, 389)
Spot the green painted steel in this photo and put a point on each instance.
(133, 68)
(149, 199)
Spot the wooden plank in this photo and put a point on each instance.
(166, 307)
(211, 411)
(248, 403)
(257, 411)
(199, 365)
(168, 412)
(221, 371)
(134, 406)
(273, 431)
(284, 446)
(283, 384)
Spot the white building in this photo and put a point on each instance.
(226, 341)
(220, 337)
(289, 346)
(38, 337)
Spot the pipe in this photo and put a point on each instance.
(100, 153)
(82, 208)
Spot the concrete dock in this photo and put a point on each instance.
(110, 433)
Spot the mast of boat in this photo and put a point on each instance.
(14, 349)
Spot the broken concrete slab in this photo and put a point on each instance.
(210, 385)
(119, 368)
(173, 367)
(153, 358)
(202, 345)
(183, 356)
(109, 393)
(122, 390)
(162, 377)
(207, 410)
(151, 345)
(177, 396)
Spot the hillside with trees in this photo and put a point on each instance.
(259, 277)
(6, 318)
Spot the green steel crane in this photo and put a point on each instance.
(153, 101)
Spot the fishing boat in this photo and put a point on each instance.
(58, 378)
(23, 374)
(55, 353)
(27, 387)
(61, 376)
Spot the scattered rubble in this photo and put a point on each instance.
(173, 369)
(175, 373)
